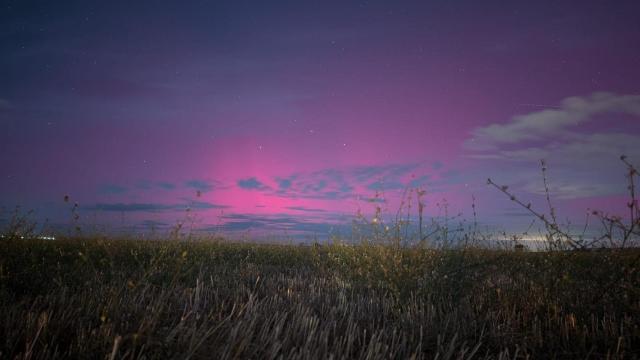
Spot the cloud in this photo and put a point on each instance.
(340, 183)
(166, 185)
(252, 184)
(316, 186)
(144, 185)
(301, 208)
(326, 184)
(543, 124)
(385, 185)
(580, 141)
(153, 223)
(199, 185)
(205, 205)
(112, 189)
(419, 182)
(130, 207)
(584, 166)
(271, 223)
(367, 173)
(284, 183)
(151, 207)
(140, 185)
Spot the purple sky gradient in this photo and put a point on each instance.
(288, 115)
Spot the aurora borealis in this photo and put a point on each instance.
(288, 116)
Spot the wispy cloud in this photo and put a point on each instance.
(301, 208)
(166, 185)
(139, 185)
(338, 183)
(583, 160)
(144, 185)
(151, 207)
(205, 205)
(284, 183)
(392, 171)
(419, 181)
(343, 183)
(112, 189)
(273, 223)
(545, 124)
(382, 185)
(200, 185)
(252, 184)
(130, 207)
(154, 223)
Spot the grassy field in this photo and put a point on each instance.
(100, 298)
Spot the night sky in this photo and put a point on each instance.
(287, 116)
